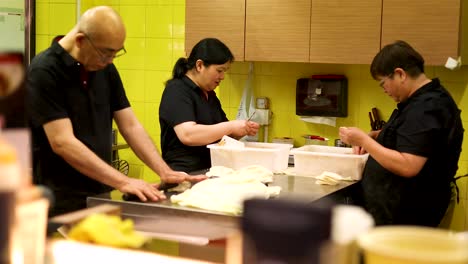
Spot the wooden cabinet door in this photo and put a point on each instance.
(344, 31)
(277, 30)
(222, 19)
(430, 26)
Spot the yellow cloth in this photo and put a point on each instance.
(108, 230)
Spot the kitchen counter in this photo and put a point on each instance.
(202, 233)
(165, 217)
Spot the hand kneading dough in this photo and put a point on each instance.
(225, 194)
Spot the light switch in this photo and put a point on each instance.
(262, 103)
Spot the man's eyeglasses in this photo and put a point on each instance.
(108, 54)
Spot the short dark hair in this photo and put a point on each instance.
(397, 55)
(209, 50)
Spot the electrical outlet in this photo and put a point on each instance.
(262, 103)
(262, 116)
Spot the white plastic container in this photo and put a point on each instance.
(273, 156)
(312, 160)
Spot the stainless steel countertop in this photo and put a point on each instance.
(165, 217)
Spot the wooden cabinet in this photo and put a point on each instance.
(222, 19)
(345, 31)
(431, 26)
(326, 31)
(277, 30)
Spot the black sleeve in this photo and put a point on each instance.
(45, 101)
(177, 105)
(419, 133)
(119, 99)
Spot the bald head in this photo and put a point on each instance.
(102, 22)
(96, 38)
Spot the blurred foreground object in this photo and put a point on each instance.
(11, 72)
(23, 211)
(285, 231)
(12, 92)
(70, 252)
(100, 225)
(10, 178)
(108, 230)
(31, 226)
(348, 223)
(413, 245)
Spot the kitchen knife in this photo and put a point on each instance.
(372, 122)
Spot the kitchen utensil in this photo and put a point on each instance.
(315, 140)
(250, 117)
(375, 113)
(372, 122)
(314, 137)
(375, 121)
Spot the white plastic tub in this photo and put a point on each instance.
(273, 156)
(313, 160)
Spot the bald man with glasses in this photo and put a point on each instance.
(74, 93)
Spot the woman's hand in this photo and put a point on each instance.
(242, 128)
(359, 149)
(355, 137)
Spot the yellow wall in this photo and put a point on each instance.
(155, 39)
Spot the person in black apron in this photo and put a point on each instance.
(413, 158)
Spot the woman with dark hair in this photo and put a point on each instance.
(413, 159)
(190, 114)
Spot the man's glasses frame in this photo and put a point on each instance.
(111, 54)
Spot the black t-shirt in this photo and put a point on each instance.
(184, 101)
(59, 87)
(419, 126)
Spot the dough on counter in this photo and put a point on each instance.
(225, 194)
(257, 172)
(219, 171)
(330, 178)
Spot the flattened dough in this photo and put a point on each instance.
(227, 193)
